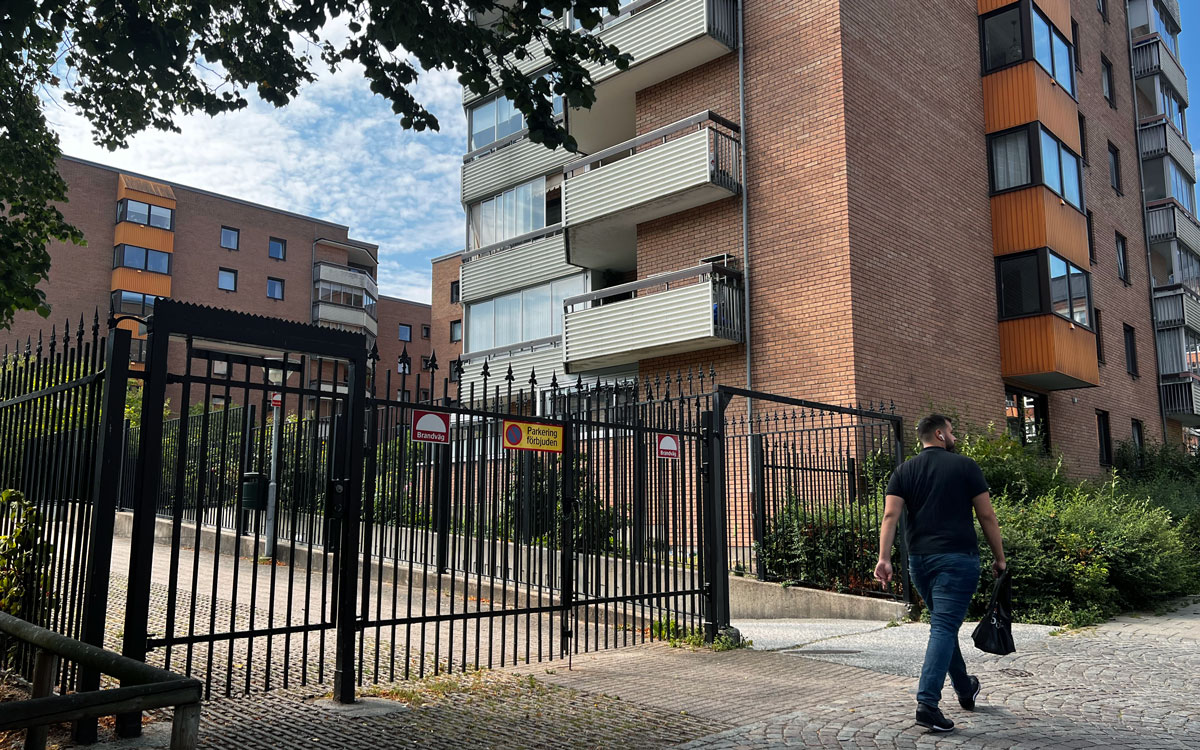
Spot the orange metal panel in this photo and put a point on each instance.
(146, 282)
(987, 6)
(1075, 351)
(141, 189)
(1056, 109)
(143, 236)
(1036, 217)
(1010, 97)
(1059, 13)
(154, 200)
(1048, 345)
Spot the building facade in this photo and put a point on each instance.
(835, 211)
(149, 238)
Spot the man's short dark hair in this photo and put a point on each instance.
(928, 427)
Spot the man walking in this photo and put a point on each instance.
(937, 491)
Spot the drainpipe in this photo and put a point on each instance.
(741, 22)
(1137, 140)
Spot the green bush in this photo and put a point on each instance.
(1011, 469)
(1082, 554)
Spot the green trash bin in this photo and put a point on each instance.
(254, 491)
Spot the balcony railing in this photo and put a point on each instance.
(356, 277)
(1181, 401)
(1162, 139)
(541, 357)
(538, 259)
(1177, 305)
(682, 311)
(1168, 221)
(1151, 56)
(672, 169)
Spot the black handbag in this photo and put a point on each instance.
(993, 634)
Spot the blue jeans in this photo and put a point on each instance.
(946, 582)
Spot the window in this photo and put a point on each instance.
(425, 361)
(1165, 28)
(274, 288)
(138, 212)
(277, 248)
(1106, 81)
(220, 369)
(1104, 433)
(1011, 163)
(346, 295)
(1003, 44)
(455, 330)
(1040, 282)
(1099, 336)
(1114, 168)
(1122, 258)
(1091, 229)
(526, 315)
(424, 332)
(1173, 107)
(455, 293)
(1083, 149)
(1027, 417)
(1075, 43)
(405, 332)
(1102, 6)
(403, 395)
(229, 238)
(517, 211)
(227, 279)
(132, 303)
(1138, 435)
(218, 403)
(141, 258)
(1182, 187)
(497, 119)
(424, 395)
(1053, 52)
(1131, 363)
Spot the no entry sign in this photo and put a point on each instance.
(531, 436)
(430, 427)
(668, 446)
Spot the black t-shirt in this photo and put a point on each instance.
(937, 487)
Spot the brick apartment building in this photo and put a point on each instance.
(149, 238)
(928, 203)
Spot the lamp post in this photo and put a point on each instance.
(276, 377)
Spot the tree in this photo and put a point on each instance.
(129, 65)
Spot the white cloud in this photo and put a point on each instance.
(337, 153)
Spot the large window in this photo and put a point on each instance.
(227, 279)
(132, 303)
(1003, 40)
(1013, 160)
(141, 258)
(1131, 358)
(1041, 282)
(1106, 81)
(1053, 52)
(527, 315)
(1027, 417)
(1122, 258)
(344, 294)
(1165, 27)
(519, 210)
(1104, 434)
(144, 213)
(1182, 187)
(230, 238)
(496, 119)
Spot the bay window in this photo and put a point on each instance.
(517, 211)
(497, 119)
(1017, 155)
(1182, 187)
(1053, 52)
(1041, 282)
(526, 315)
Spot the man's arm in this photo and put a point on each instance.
(893, 505)
(991, 529)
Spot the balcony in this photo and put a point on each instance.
(542, 357)
(1048, 352)
(1161, 139)
(1176, 306)
(484, 173)
(1151, 56)
(345, 275)
(527, 260)
(1181, 401)
(680, 166)
(1168, 221)
(683, 311)
(665, 38)
(344, 316)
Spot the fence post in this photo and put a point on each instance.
(901, 528)
(45, 668)
(567, 553)
(640, 481)
(441, 507)
(110, 453)
(758, 492)
(147, 487)
(716, 551)
(347, 588)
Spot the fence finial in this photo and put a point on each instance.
(79, 333)
(510, 377)
(433, 365)
(532, 380)
(554, 381)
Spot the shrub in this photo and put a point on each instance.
(26, 560)
(1016, 471)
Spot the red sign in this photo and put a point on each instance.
(430, 427)
(668, 446)
(276, 399)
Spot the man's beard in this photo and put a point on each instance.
(951, 445)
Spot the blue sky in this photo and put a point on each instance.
(1189, 50)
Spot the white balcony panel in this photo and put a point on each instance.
(1152, 57)
(1181, 401)
(325, 313)
(1177, 307)
(670, 322)
(1161, 139)
(517, 162)
(545, 361)
(1170, 222)
(525, 265)
(347, 276)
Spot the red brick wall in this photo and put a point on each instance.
(393, 312)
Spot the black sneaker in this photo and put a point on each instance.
(931, 718)
(967, 700)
